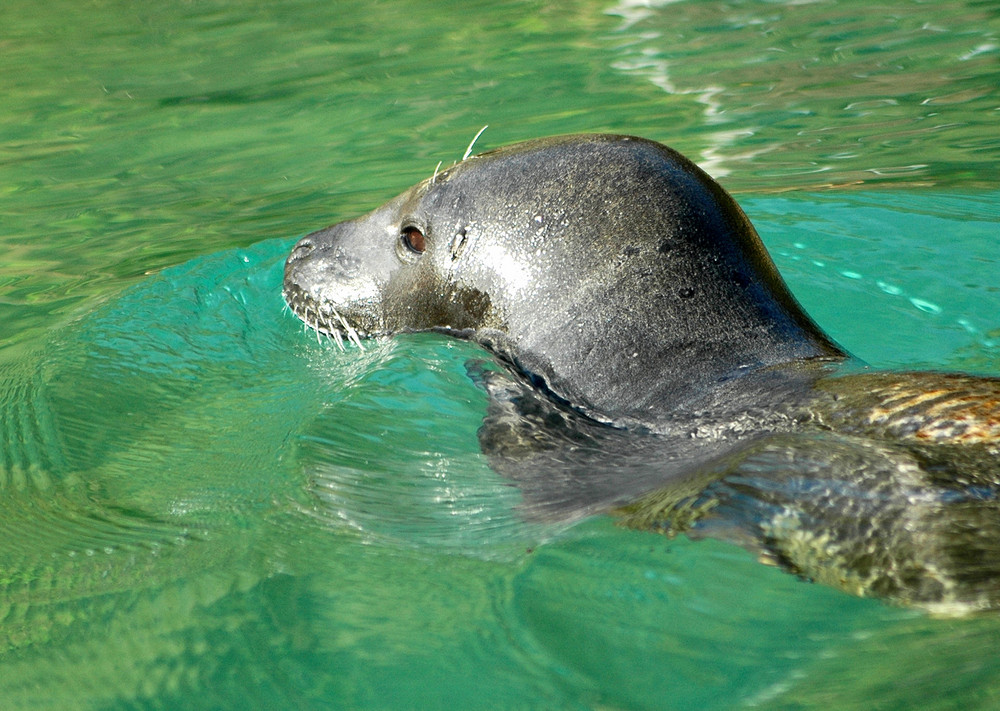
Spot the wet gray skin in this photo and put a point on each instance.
(657, 365)
(595, 264)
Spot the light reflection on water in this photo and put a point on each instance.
(819, 95)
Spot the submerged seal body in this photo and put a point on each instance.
(662, 368)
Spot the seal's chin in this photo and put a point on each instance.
(323, 317)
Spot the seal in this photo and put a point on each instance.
(656, 364)
(596, 264)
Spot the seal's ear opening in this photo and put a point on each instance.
(458, 243)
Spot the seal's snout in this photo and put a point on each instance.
(328, 288)
(314, 263)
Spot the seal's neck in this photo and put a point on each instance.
(652, 361)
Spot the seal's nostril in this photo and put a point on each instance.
(302, 249)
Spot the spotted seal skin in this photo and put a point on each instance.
(657, 366)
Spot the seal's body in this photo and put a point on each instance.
(655, 348)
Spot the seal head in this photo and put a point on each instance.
(610, 270)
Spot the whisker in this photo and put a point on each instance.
(468, 151)
(315, 324)
(333, 330)
(326, 320)
(352, 335)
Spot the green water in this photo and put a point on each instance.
(202, 507)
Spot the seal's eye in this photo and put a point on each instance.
(413, 240)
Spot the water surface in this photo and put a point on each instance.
(205, 507)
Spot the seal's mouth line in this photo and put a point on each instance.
(326, 321)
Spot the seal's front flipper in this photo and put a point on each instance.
(568, 465)
(869, 518)
(521, 422)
